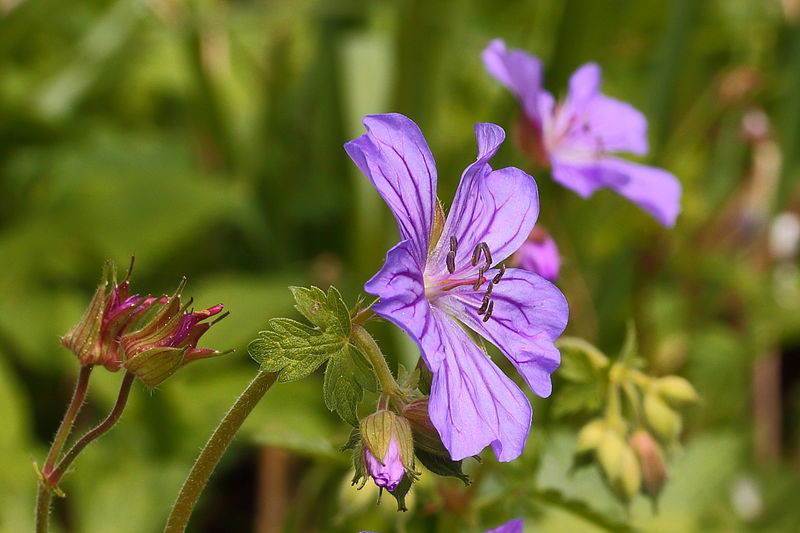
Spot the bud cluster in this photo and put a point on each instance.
(147, 336)
(639, 421)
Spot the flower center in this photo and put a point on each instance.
(467, 276)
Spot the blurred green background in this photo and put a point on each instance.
(205, 137)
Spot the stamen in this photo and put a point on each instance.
(476, 255)
(499, 275)
(480, 279)
(484, 305)
(451, 260)
(489, 310)
(489, 291)
(453, 243)
(487, 254)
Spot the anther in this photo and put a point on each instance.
(489, 309)
(480, 279)
(453, 243)
(476, 255)
(497, 277)
(486, 253)
(484, 305)
(489, 291)
(451, 260)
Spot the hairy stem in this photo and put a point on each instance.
(44, 495)
(96, 432)
(214, 449)
(370, 348)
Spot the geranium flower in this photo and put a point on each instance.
(539, 254)
(577, 136)
(442, 277)
(515, 526)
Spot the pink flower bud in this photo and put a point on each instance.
(651, 459)
(389, 471)
(539, 255)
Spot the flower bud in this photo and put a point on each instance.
(388, 448)
(425, 434)
(619, 465)
(676, 390)
(651, 460)
(664, 421)
(168, 341)
(589, 439)
(112, 310)
(539, 255)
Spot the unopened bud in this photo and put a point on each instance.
(539, 254)
(388, 448)
(664, 421)
(676, 390)
(425, 434)
(651, 460)
(619, 465)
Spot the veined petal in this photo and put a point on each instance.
(394, 156)
(529, 313)
(519, 71)
(515, 526)
(401, 288)
(653, 189)
(472, 403)
(497, 207)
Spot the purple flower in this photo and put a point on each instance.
(515, 526)
(388, 472)
(576, 136)
(539, 254)
(441, 278)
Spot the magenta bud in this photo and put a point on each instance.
(539, 255)
(389, 471)
(651, 460)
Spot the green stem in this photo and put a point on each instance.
(373, 352)
(96, 432)
(212, 452)
(44, 494)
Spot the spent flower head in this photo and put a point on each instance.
(578, 136)
(446, 276)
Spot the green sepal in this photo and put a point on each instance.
(347, 375)
(153, 366)
(425, 377)
(400, 492)
(441, 464)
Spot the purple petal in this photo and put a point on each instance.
(394, 156)
(653, 189)
(401, 288)
(515, 526)
(390, 471)
(496, 207)
(540, 257)
(584, 85)
(529, 314)
(519, 71)
(472, 403)
(582, 178)
(619, 126)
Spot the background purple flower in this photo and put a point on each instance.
(433, 290)
(539, 254)
(578, 135)
(515, 526)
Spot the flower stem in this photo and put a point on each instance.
(96, 432)
(44, 494)
(212, 452)
(373, 352)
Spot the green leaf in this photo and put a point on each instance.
(326, 311)
(293, 349)
(586, 372)
(346, 377)
(441, 465)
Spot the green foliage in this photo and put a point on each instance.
(294, 350)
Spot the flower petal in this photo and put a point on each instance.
(619, 126)
(529, 314)
(582, 178)
(401, 288)
(519, 71)
(540, 257)
(515, 526)
(584, 85)
(472, 403)
(497, 207)
(394, 156)
(653, 189)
